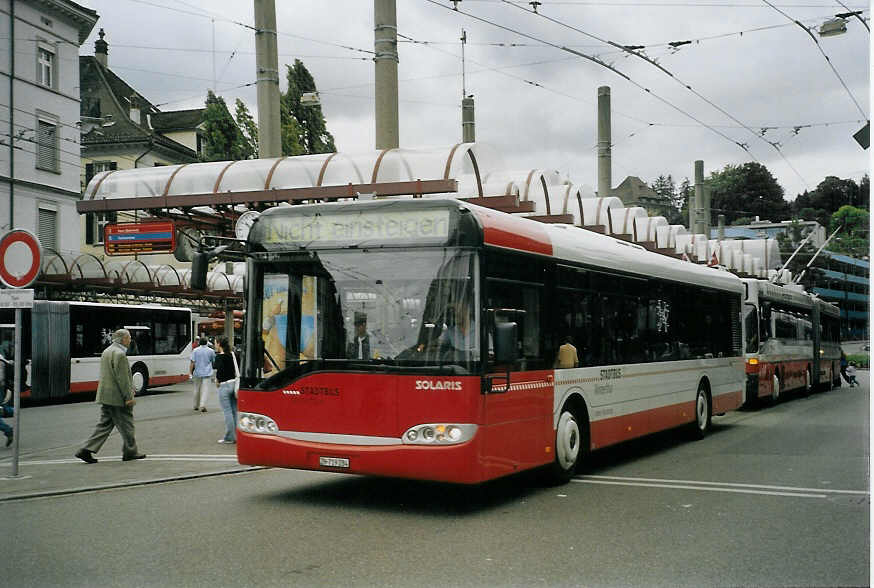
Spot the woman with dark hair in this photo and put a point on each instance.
(226, 375)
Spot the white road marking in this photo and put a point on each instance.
(762, 489)
(150, 457)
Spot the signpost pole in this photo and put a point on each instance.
(16, 403)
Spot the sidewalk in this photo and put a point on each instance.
(179, 443)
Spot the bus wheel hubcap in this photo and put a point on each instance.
(567, 443)
(138, 381)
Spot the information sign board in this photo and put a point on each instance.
(139, 238)
(16, 298)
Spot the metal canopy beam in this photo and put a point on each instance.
(415, 188)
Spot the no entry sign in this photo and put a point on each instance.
(20, 259)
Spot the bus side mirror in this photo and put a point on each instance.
(506, 348)
(200, 266)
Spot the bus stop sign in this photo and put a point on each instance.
(20, 259)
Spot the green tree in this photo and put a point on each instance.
(308, 126)
(853, 239)
(684, 197)
(828, 197)
(747, 190)
(248, 128)
(223, 139)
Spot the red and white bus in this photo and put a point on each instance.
(62, 343)
(418, 339)
(792, 341)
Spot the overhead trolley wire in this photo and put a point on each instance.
(597, 61)
(829, 61)
(668, 73)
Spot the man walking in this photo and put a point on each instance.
(115, 393)
(201, 372)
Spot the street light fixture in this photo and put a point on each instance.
(833, 27)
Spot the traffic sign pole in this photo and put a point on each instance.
(16, 402)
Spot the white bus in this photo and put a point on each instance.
(62, 343)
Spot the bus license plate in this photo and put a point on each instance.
(334, 462)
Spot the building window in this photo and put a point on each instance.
(45, 67)
(47, 154)
(47, 228)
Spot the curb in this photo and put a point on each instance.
(81, 490)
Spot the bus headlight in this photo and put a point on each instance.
(257, 423)
(439, 434)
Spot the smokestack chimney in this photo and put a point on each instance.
(698, 215)
(605, 179)
(101, 50)
(468, 128)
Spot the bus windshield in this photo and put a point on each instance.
(369, 309)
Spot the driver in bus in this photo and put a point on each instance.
(359, 347)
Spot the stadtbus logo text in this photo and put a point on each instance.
(439, 385)
(611, 373)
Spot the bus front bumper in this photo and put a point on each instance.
(458, 464)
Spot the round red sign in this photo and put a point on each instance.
(20, 259)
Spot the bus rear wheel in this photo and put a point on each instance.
(703, 416)
(140, 376)
(775, 389)
(571, 444)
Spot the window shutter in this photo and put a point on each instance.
(47, 228)
(47, 149)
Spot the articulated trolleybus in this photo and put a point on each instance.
(62, 343)
(792, 341)
(419, 339)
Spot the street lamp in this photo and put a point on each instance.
(833, 27)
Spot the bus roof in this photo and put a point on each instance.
(285, 225)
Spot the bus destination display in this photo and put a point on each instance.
(140, 238)
(384, 226)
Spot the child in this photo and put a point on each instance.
(851, 374)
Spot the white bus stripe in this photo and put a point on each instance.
(732, 484)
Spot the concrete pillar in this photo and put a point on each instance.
(468, 128)
(267, 76)
(385, 45)
(605, 180)
(721, 229)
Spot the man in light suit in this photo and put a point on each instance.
(115, 393)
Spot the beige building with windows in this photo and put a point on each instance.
(123, 130)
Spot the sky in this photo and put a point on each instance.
(756, 77)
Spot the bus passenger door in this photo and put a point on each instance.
(517, 411)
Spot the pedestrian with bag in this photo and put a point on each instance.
(115, 394)
(201, 370)
(228, 377)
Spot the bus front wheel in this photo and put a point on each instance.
(140, 376)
